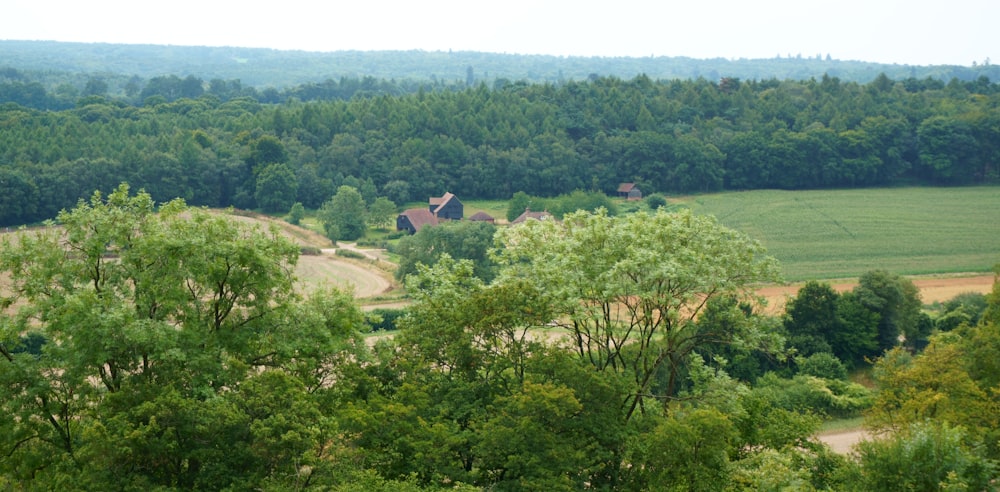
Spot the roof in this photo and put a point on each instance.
(437, 203)
(528, 214)
(482, 216)
(419, 217)
(625, 187)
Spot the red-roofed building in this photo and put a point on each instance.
(414, 219)
(482, 217)
(629, 191)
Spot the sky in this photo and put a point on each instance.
(912, 32)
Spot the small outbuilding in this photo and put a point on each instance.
(528, 214)
(629, 191)
(482, 217)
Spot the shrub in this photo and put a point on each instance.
(310, 251)
(296, 213)
(347, 253)
(926, 456)
(822, 365)
(383, 319)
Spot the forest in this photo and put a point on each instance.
(211, 145)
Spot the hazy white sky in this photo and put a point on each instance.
(916, 32)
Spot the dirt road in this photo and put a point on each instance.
(842, 441)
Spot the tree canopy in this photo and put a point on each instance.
(175, 352)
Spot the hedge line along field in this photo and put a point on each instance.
(834, 234)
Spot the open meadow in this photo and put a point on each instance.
(840, 234)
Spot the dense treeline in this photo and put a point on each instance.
(490, 142)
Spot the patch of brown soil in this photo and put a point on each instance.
(841, 442)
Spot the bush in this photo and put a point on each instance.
(310, 251)
(926, 456)
(803, 393)
(655, 201)
(347, 253)
(822, 365)
(296, 214)
(383, 319)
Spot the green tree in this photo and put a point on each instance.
(296, 213)
(856, 337)
(630, 289)
(925, 456)
(810, 317)
(19, 201)
(382, 213)
(178, 354)
(460, 240)
(343, 216)
(935, 385)
(265, 150)
(517, 205)
(897, 302)
(689, 451)
(276, 189)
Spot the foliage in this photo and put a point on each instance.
(655, 201)
(629, 289)
(821, 396)
(465, 240)
(178, 354)
(822, 365)
(484, 403)
(581, 200)
(963, 309)
(276, 188)
(897, 302)
(688, 450)
(343, 216)
(819, 320)
(296, 213)
(384, 319)
(944, 383)
(382, 213)
(350, 253)
(925, 456)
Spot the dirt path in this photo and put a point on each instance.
(326, 269)
(842, 441)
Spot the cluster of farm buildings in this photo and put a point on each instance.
(449, 207)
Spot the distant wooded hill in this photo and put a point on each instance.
(262, 68)
(182, 139)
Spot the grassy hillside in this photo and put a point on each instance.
(843, 233)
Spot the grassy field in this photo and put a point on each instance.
(844, 233)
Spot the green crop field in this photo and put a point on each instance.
(844, 233)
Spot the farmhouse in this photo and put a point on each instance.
(414, 219)
(528, 214)
(629, 191)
